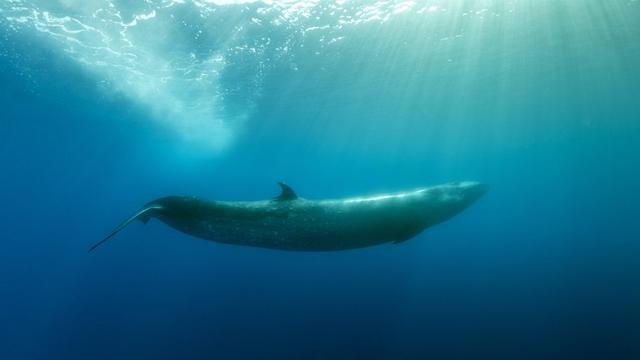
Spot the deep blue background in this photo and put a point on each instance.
(547, 264)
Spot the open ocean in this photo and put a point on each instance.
(106, 105)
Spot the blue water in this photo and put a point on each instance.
(106, 105)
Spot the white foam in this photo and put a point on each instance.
(180, 91)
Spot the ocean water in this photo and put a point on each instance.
(105, 105)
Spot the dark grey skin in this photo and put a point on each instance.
(289, 222)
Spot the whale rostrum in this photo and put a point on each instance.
(290, 222)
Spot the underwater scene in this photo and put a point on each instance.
(345, 179)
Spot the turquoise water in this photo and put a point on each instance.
(109, 104)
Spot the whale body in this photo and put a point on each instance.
(289, 222)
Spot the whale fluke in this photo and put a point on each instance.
(124, 224)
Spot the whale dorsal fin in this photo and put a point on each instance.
(287, 193)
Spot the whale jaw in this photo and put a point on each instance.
(448, 200)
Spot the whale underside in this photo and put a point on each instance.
(289, 222)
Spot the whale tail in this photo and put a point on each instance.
(142, 215)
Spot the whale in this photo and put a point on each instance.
(290, 222)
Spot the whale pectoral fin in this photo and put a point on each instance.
(286, 194)
(407, 235)
(124, 224)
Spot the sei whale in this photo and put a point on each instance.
(289, 222)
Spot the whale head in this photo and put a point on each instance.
(447, 200)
